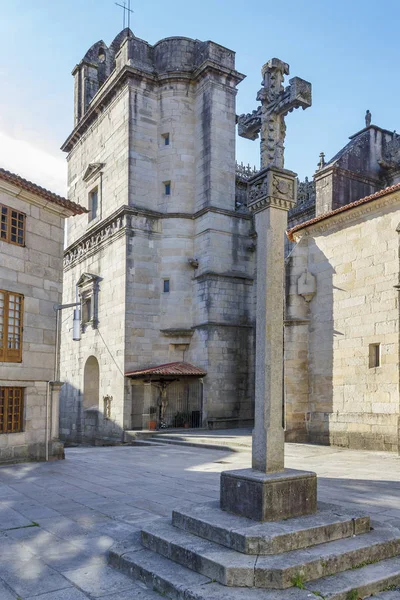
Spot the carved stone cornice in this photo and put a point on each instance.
(333, 168)
(178, 332)
(117, 223)
(118, 80)
(235, 277)
(272, 187)
(289, 322)
(354, 213)
(94, 239)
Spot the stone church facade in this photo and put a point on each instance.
(163, 263)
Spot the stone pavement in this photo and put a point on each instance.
(57, 520)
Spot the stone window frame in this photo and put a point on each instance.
(88, 290)
(166, 138)
(93, 177)
(94, 219)
(11, 409)
(11, 327)
(167, 188)
(12, 219)
(375, 355)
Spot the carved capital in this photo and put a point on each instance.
(272, 187)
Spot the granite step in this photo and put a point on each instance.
(244, 535)
(232, 568)
(156, 572)
(366, 581)
(176, 582)
(205, 444)
(387, 596)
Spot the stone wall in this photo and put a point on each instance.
(105, 143)
(35, 271)
(333, 393)
(105, 342)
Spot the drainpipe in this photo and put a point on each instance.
(47, 420)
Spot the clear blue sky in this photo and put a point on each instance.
(348, 49)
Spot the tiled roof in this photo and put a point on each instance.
(175, 368)
(388, 190)
(77, 209)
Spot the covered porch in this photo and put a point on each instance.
(168, 396)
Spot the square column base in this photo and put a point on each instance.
(269, 496)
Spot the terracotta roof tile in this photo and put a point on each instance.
(388, 190)
(175, 368)
(77, 209)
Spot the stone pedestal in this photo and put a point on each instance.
(269, 496)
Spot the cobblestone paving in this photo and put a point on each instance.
(57, 520)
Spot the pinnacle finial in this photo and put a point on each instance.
(321, 162)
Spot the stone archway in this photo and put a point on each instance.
(91, 379)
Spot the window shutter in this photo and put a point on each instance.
(11, 326)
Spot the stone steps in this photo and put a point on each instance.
(205, 444)
(387, 596)
(208, 521)
(176, 582)
(209, 442)
(368, 581)
(235, 569)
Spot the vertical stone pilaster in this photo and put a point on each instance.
(55, 388)
(146, 405)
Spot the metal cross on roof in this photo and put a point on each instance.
(127, 12)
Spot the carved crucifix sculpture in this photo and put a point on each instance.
(276, 102)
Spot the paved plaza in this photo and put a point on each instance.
(58, 519)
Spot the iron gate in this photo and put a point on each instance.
(178, 403)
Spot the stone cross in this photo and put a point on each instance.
(276, 102)
(279, 195)
(268, 491)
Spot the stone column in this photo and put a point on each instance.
(268, 491)
(268, 434)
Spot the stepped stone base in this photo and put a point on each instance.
(269, 496)
(330, 523)
(208, 554)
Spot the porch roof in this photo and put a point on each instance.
(181, 369)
